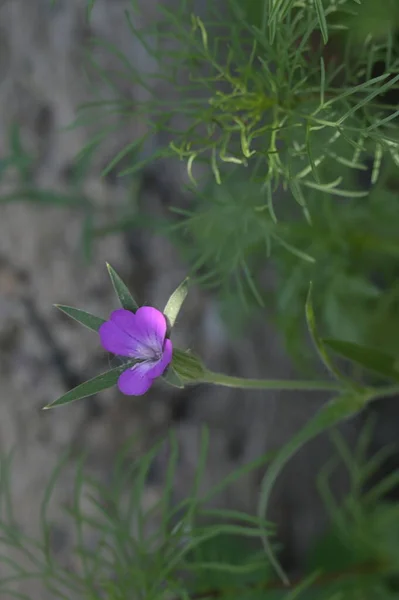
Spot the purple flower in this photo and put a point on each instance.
(140, 336)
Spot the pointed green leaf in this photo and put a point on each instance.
(175, 302)
(172, 378)
(81, 316)
(125, 298)
(89, 388)
(374, 360)
(322, 19)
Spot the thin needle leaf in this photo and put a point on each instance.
(322, 20)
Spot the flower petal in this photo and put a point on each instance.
(138, 335)
(159, 367)
(137, 380)
(150, 328)
(114, 334)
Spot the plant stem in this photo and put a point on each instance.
(387, 391)
(271, 384)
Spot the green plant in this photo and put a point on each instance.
(125, 330)
(189, 550)
(303, 94)
(305, 113)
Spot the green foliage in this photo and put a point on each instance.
(263, 90)
(382, 363)
(131, 554)
(187, 549)
(331, 414)
(300, 95)
(242, 111)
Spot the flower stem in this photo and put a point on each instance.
(271, 384)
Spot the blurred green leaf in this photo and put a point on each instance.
(322, 19)
(83, 317)
(125, 298)
(311, 322)
(40, 196)
(89, 388)
(334, 412)
(175, 302)
(228, 563)
(374, 360)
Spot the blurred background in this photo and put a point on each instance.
(46, 199)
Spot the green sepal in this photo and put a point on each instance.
(187, 366)
(172, 378)
(89, 388)
(125, 297)
(175, 302)
(81, 316)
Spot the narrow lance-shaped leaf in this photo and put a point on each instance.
(374, 360)
(332, 413)
(175, 302)
(89, 388)
(322, 19)
(311, 322)
(81, 316)
(125, 297)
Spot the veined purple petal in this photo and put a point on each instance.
(116, 340)
(138, 380)
(138, 335)
(150, 328)
(159, 366)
